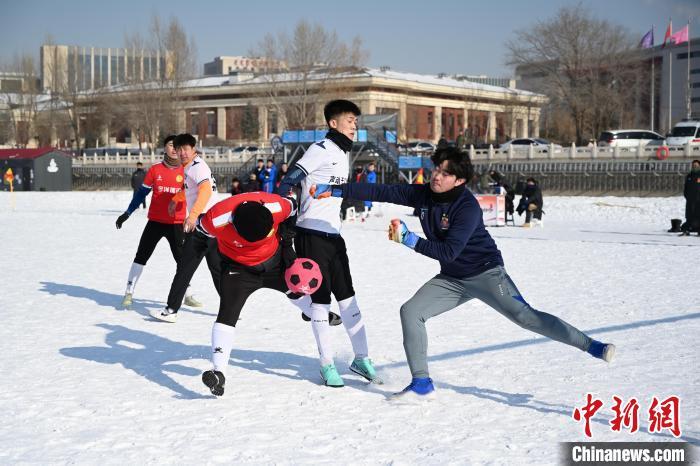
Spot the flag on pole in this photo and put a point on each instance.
(680, 36)
(668, 32)
(647, 41)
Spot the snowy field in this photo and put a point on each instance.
(84, 382)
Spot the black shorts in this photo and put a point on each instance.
(152, 233)
(239, 281)
(331, 256)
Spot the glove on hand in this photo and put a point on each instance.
(399, 232)
(122, 218)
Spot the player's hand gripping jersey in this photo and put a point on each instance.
(217, 223)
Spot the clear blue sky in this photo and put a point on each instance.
(429, 36)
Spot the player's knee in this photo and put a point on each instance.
(410, 312)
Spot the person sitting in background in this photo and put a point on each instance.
(532, 203)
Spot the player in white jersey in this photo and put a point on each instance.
(318, 238)
(199, 187)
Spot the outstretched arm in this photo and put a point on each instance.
(402, 194)
(138, 197)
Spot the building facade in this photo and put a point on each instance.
(88, 68)
(228, 65)
(427, 107)
(671, 83)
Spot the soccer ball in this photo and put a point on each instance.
(303, 276)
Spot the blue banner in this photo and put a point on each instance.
(410, 162)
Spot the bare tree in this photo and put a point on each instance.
(20, 96)
(154, 97)
(586, 66)
(300, 69)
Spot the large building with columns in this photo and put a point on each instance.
(427, 107)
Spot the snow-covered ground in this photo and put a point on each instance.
(84, 382)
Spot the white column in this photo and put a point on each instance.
(263, 133)
(492, 126)
(221, 123)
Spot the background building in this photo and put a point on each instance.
(227, 65)
(665, 87)
(88, 68)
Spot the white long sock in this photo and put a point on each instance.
(221, 345)
(322, 332)
(134, 275)
(303, 304)
(354, 325)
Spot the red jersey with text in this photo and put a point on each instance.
(165, 182)
(217, 222)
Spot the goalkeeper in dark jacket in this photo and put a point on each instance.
(471, 265)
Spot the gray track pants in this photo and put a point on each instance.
(495, 288)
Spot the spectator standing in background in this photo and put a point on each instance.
(137, 180)
(691, 192)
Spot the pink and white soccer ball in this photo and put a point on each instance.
(303, 276)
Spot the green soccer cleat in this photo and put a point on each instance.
(127, 301)
(364, 367)
(191, 302)
(331, 377)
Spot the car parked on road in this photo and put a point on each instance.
(245, 149)
(627, 138)
(523, 144)
(686, 131)
(421, 147)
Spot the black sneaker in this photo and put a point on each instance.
(215, 380)
(333, 318)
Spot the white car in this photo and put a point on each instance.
(628, 138)
(523, 144)
(245, 149)
(421, 146)
(686, 131)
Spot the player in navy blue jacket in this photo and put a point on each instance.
(471, 265)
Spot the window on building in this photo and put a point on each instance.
(695, 71)
(272, 122)
(194, 123)
(684, 56)
(696, 85)
(211, 123)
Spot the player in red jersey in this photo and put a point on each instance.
(255, 243)
(165, 180)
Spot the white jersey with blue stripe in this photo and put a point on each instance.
(323, 163)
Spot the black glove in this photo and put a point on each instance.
(122, 218)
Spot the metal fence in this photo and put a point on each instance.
(656, 178)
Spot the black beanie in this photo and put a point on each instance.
(252, 220)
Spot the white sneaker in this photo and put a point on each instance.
(127, 301)
(609, 352)
(191, 302)
(166, 315)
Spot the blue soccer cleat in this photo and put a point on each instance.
(331, 377)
